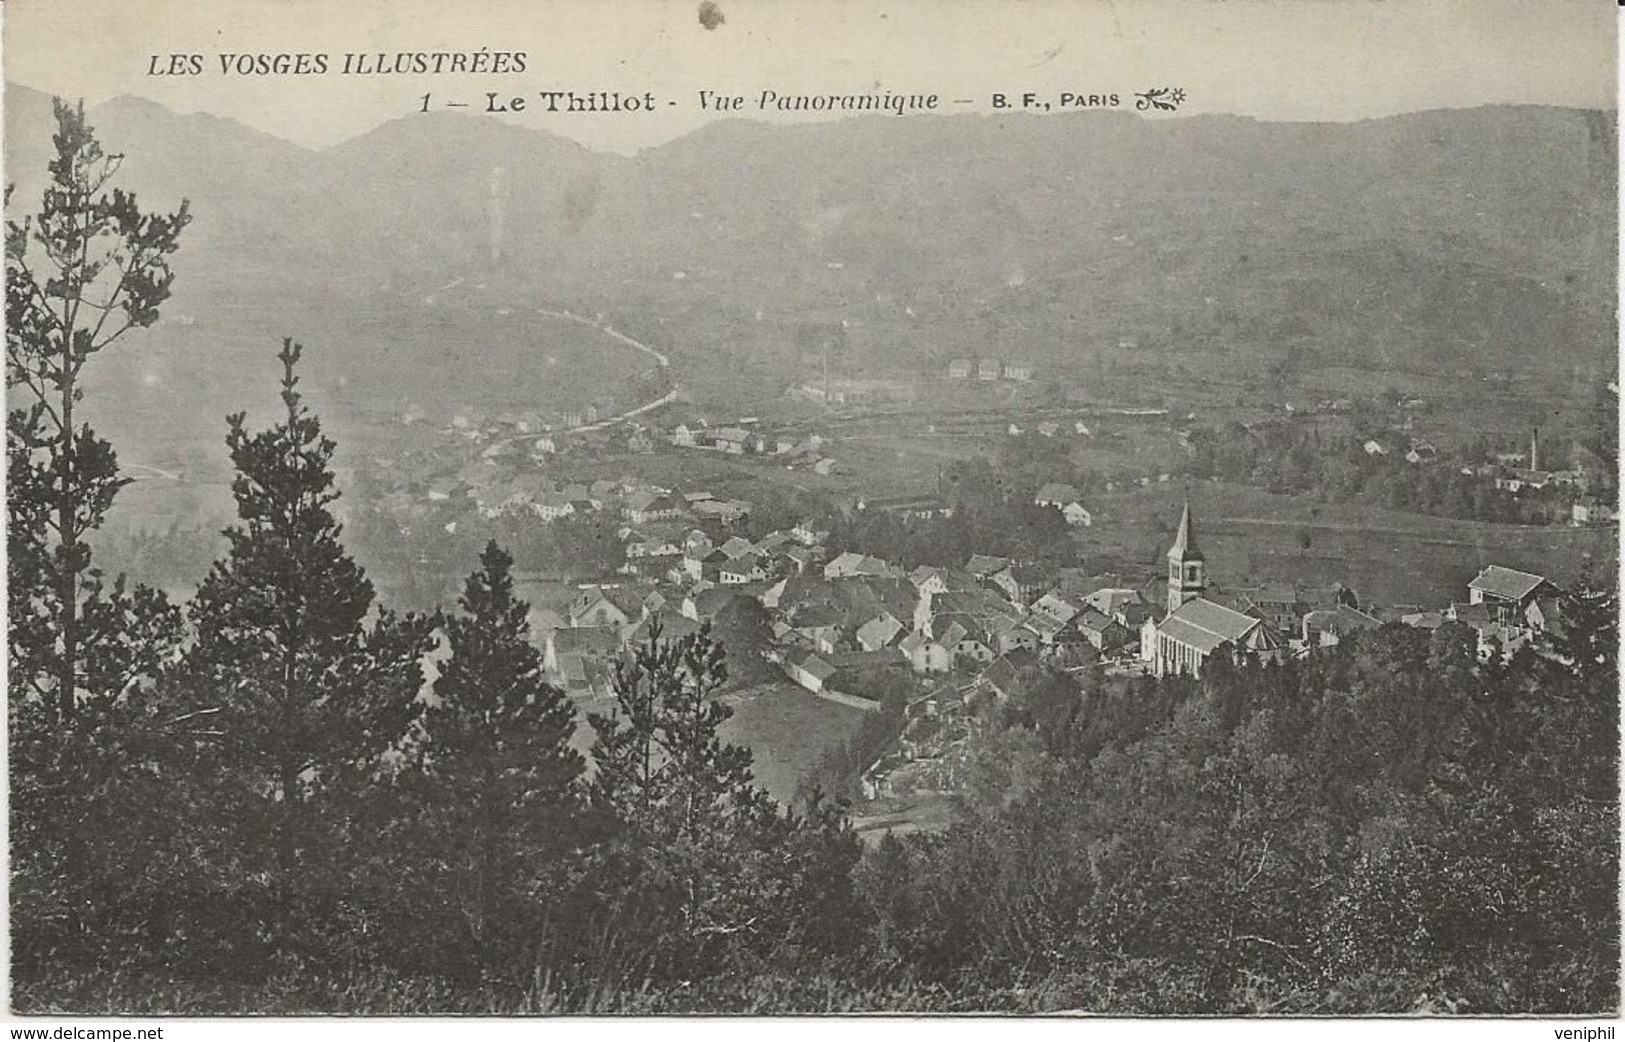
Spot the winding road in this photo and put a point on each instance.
(661, 360)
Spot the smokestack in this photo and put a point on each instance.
(1534, 449)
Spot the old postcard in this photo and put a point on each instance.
(744, 507)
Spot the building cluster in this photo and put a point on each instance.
(989, 369)
(745, 439)
(1507, 609)
(852, 628)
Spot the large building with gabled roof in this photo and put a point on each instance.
(1194, 628)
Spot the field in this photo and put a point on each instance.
(788, 729)
(1254, 537)
(902, 816)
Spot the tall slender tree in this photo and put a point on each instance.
(298, 684)
(501, 776)
(88, 267)
(101, 270)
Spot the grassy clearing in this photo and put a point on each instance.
(788, 730)
(1253, 537)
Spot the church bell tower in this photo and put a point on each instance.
(1187, 570)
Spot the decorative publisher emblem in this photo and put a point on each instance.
(1165, 99)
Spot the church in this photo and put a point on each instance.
(1193, 627)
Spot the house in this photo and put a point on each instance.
(979, 603)
(646, 506)
(1104, 633)
(1023, 583)
(1544, 614)
(1324, 628)
(1018, 371)
(1507, 588)
(650, 551)
(683, 436)
(566, 651)
(987, 369)
(1373, 447)
(819, 625)
(1012, 633)
(803, 558)
(1077, 515)
(749, 568)
(1011, 674)
(697, 544)
(1497, 630)
(807, 669)
(930, 580)
(773, 543)
(703, 604)
(1124, 605)
(731, 440)
(879, 632)
(611, 607)
(1280, 606)
(984, 565)
(807, 534)
(855, 564)
(670, 626)
(959, 369)
(726, 511)
(1055, 495)
(964, 637)
(1589, 512)
(924, 654)
(553, 506)
(1044, 627)
(737, 547)
(1054, 606)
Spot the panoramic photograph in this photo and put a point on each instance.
(776, 509)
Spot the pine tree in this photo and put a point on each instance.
(501, 777)
(88, 268)
(105, 271)
(701, 863)
(298, 686)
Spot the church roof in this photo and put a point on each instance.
(1184, 548)
(1205, 626)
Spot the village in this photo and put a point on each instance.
(938, 643)
(933, 645)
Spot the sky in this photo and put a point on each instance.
(1282, 60)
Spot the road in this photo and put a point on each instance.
(661, 360)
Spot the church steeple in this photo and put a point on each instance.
(1187, 568)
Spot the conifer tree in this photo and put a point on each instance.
(701, 862)
(297, 684)
(101, 270)
(500, 774)
(88, 267)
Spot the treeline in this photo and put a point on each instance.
(283, 794)
(1390, 826)
(262, 796)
